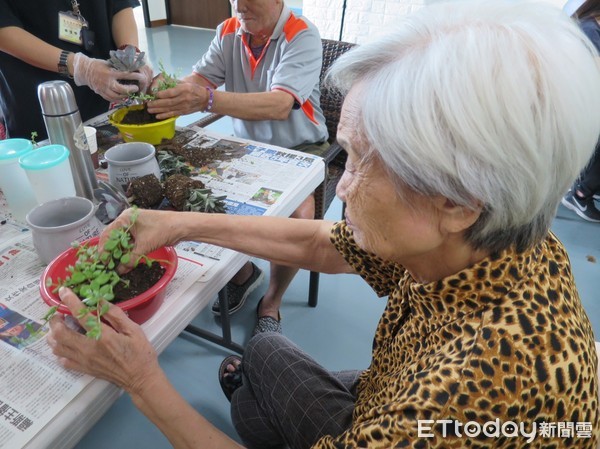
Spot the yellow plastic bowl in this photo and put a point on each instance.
(152, 133)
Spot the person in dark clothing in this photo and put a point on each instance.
(39, 42)
(586, 190)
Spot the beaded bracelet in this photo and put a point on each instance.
(211, 99)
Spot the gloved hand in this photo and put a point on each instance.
(148, 74)
(99, 76)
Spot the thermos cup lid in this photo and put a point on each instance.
(44, 157)
(14, 149)
(56, 98)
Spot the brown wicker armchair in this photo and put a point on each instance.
(334, 157)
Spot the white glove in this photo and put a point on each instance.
(148, 74)
(99, 76)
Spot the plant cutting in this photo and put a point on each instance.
(93, 277)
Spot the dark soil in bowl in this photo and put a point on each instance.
(139, 117)
(141, 278)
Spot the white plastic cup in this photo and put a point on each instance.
(49, 172)
(90, 135)
(128, 161)
(56, 224)
(13, 179)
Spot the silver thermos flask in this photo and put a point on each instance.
(64, 126)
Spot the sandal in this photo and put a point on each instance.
(266, 323)
(230, 380)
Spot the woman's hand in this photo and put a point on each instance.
(185, 98)
(151, 230)
(123, 355)
(99, 76)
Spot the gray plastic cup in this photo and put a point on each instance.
(58, 223)
(127, 161)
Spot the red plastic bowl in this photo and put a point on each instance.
(139, 308)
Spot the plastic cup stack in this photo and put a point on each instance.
(49, 172)
(14, 182)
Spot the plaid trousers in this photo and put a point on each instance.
(287, 398)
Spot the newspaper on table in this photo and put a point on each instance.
(253, 177)
(33, 386)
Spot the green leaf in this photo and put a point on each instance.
(104, 308)
(110, 244)
(85, 291)
(126, 258)
(77, 278)
(103, 278)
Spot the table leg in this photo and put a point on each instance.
(224, 339)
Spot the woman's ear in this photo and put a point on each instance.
(455, 218)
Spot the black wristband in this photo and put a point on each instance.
(63, 69)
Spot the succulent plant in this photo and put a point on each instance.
(126, 60)
(203, 200)
(171, 164)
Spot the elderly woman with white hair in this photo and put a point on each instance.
(457, 127)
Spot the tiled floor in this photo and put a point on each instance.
(338, 333)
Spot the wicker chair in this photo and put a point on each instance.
(334, 157)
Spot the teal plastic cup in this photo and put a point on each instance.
(14, 183)
(49, 172)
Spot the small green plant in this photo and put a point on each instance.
(93, 277)
(203, 200)
(171, 164)
(166, 81)
(33, 138)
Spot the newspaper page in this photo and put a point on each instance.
(34, 388)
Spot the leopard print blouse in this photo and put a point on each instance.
(505, 341)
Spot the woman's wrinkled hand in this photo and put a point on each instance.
(185, 98)
(123, 355)
(151, 230)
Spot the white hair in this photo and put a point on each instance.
(489, 103)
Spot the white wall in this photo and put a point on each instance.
(157, 10)
(363, 17)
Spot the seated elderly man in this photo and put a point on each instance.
(270, 63)
(457, 127)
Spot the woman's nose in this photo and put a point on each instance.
(342, 188)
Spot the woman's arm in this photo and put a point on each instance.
(124, 28)
(286, 241)
(28, 48)
(125, 357)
